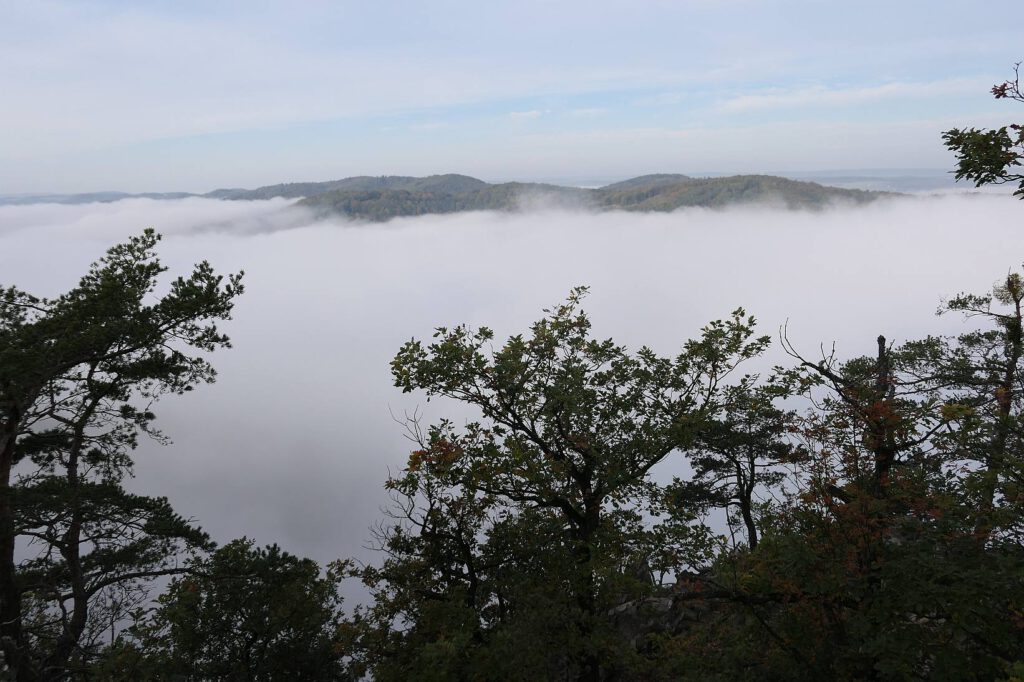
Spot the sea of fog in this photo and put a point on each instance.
(293, 442)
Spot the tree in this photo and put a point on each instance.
(985, 366)
(897, 554)
(991, 156)
(77, 376)
(891, 547)
(738, 456)
(243, 613)
(558, 473)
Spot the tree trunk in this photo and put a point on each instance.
(11, 636)
(880, 438)
(586, 598)
(71, 551)
(748, 521)
(1004, 396)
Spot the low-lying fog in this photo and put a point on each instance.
(296, 437)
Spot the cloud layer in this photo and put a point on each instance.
(294, 440)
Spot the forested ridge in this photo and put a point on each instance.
(644, 193)
(380, 198)
(830, 518)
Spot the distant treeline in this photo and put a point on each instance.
(453, 193)
(385, 197)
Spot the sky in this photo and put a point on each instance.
(294, 441)
(190, 96)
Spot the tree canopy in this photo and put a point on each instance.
(854, 519)
(241, 613)
(77, 376)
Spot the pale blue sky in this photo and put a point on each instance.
(196, 95)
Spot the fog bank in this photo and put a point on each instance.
(296, 437)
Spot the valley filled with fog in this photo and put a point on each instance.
(294, 441)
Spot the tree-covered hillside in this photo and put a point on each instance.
(447, 184)
(728, 191)
(378, 198)
(646, 193)
(648, 181)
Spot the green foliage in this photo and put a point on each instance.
(739, 454)
(991, 156)
(243, 613)
(881, 521)
(543, 517)
(898, 555)
(660, 195)
(77, 376)
(988, 156)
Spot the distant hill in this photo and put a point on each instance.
(447, 184)
(89, 198)
(645, 193)
(379, 198)
(727, 191)
(648, 181)
(391, 203)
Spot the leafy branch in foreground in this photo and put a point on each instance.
(991, 156)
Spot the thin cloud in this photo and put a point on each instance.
(526, 115)
(660, 99)
(430, 127)
(95, 91)
(824, 96)
(588, 112)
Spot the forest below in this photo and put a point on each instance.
(846, 519)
